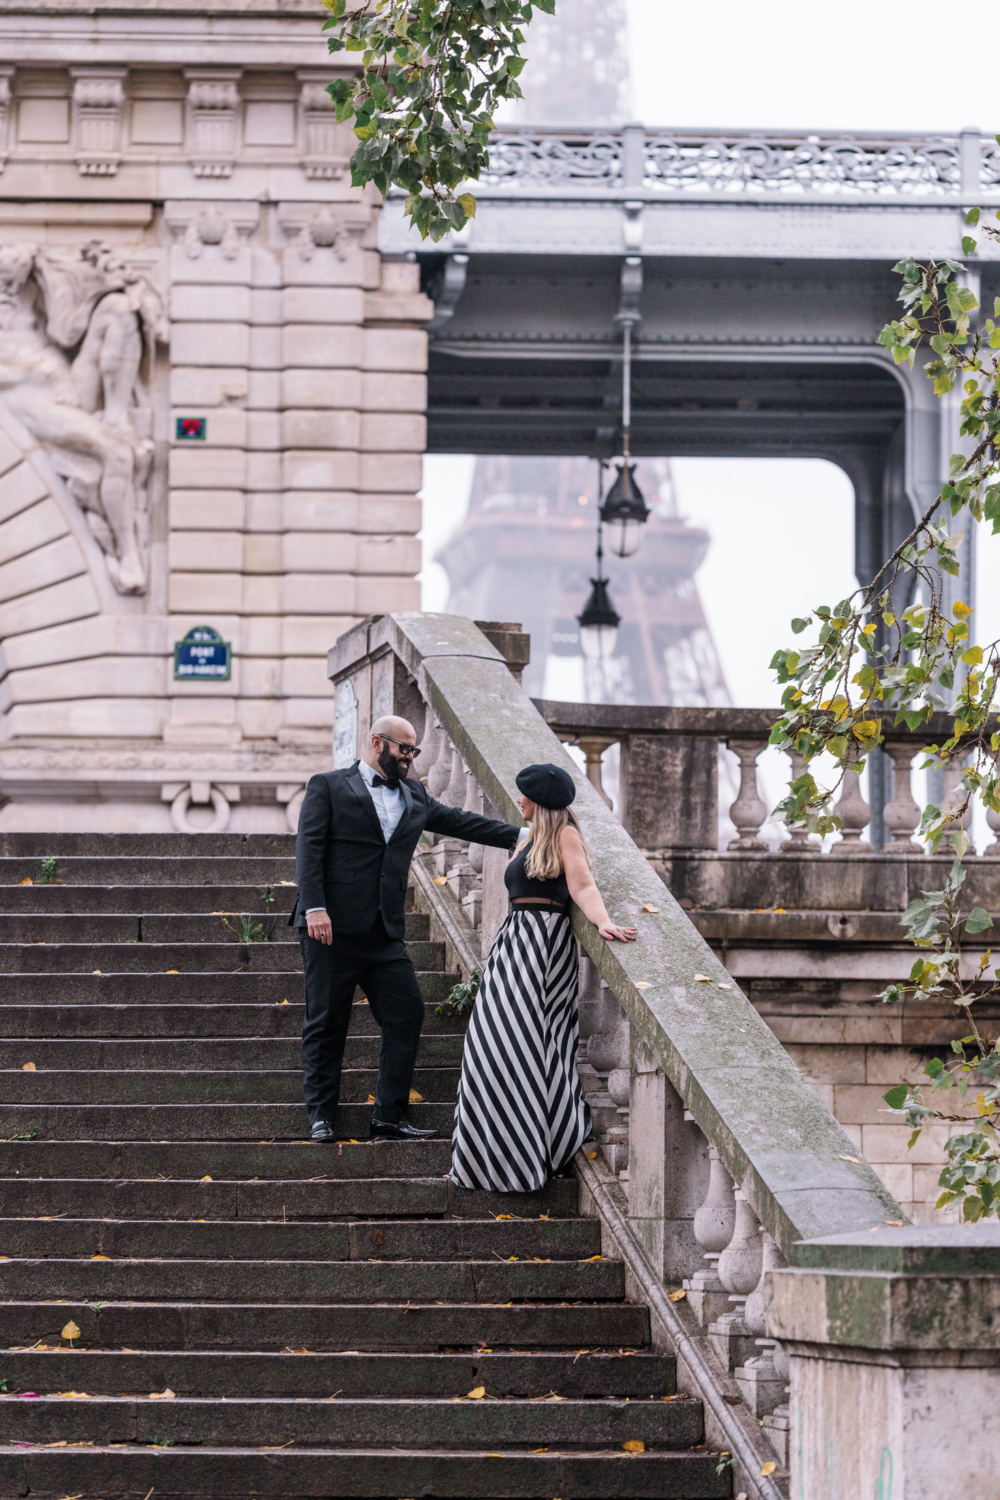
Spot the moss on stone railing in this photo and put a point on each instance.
(795, 1164)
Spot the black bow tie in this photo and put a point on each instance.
(384, 781)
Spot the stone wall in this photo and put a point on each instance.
(212, 398)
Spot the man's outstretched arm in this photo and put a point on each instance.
(472, 826)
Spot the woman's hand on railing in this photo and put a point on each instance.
(609, 932)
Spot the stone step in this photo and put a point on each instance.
(39, 846)
(114, 898)
(161, 958)
(187, 1122)
(353, 1422)
(192, 1020)
(179, 1473)
(52, 927)
(174, 984)
(440, 1240)
(186, 868)
(321, 1325)
(250, 1086)
(305, 1198)
(594, 1372)
(230, 1160)
(305, 1281)
(211, 1053)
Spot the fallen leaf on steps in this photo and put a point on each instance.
(476, 1394)
(100, 1257)
(648, 906)
(28, 1068)
(164, 1395)
(590, 1155)
(634, 1445)
(724, 986)
(769, 1468)
(73, 1395)
(438, 880)
(416, 1098)
(642, 985)
(95, 971)
(854, 1159)
(26, 881)
(371, 1098)
(71, 1331)
(593, 1257)
(170, 971)
(702, 979)
(206, 1179)
(677, 1296)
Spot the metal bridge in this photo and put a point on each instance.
(756, 271)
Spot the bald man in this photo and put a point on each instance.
(357, 833)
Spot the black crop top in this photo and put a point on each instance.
(519, 882)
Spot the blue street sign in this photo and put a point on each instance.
(203, 656)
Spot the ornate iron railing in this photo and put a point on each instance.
(740, 164)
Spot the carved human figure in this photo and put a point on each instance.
(74, 329)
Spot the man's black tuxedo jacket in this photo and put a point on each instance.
(343, 863)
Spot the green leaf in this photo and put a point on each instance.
(972, 217)
(968, 245)
(799, 625)
(467, 204)
(978, 920)
(896, 1097)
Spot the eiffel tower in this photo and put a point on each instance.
(526, 548)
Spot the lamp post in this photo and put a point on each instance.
(624, 511)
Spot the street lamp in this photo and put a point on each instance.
(598, 620)
(624, 511)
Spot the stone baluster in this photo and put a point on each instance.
(449, 852)
(901, 815)
(430, 745)
(761, 1386)
(467, 877)
(608, 1054)
(798, 841)
(739, 1272)
(454, 792)
(439, 774)
(593, 747)
(954, 791)
(749, 810)
(777, 1423)
(854, 814)
(713, 1229)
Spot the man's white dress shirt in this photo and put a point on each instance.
(389, 806)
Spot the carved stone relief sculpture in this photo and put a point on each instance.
(78, 333)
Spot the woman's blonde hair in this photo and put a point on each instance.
(544, 861)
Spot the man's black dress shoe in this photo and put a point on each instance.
(398, 1130)
(322, 1131)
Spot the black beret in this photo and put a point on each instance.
(548, 785)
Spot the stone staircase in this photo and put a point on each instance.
(198, 1302)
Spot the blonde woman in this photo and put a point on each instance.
(520, 1114)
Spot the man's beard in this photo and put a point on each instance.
(392, 769)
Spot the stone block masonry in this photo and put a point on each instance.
(265, 482)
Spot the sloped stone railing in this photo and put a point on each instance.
(716, 1155)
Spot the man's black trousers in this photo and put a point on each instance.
(382, 967)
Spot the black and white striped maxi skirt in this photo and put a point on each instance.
(520, 1113)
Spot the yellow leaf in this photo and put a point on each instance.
(973, 656)
(678, 1295)
(170, 971)
(164, 1395)
(95, 971)
(634, 1445)
(590, 1155)
(642, 985)
(206, 1179)
(769, 1468)
(441, 880)
(866, 730)
(26, 881)
(72, 1396)
(371, 1098)
(416, 1098)
(100, 1257)
(477, 1393)
(961, 610)
(593, 1257)
(648, 906)
(28, 1068)
(467, 204)
(71, 1331)
(702, 979)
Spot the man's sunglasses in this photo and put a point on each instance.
(409, 750)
